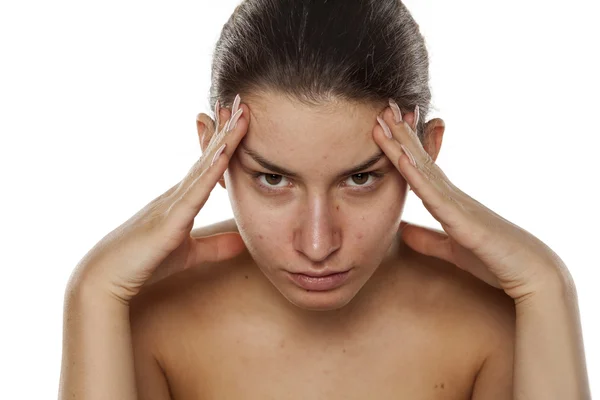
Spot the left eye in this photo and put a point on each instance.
(362, 178)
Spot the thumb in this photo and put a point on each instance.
(426, 241)
(217, 248)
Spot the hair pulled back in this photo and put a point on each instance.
(317, 51)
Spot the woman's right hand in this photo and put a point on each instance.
(156, 241)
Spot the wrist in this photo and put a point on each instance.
(559, 286)
(89, 294)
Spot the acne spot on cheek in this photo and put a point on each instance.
(359, 236)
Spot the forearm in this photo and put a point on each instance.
(97, 355)
(549, 353)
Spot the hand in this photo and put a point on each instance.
(156, 241)
(476, 239)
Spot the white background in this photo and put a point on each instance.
(97, 117)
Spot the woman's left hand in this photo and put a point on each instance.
(476, 239)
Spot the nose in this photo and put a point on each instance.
(317, 235)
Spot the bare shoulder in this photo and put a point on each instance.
(489, 313)
(156, 312)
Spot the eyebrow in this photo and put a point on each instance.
(282, 171)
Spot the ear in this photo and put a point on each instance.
(207, 129)
(434, 134)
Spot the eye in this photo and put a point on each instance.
(272, 182)
(364, 177)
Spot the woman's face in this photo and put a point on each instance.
(317, 216)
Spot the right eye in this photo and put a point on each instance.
(271, 181)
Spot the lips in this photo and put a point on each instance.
(321, 282)
(319, 275)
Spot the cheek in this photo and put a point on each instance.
(368, 226)
(373, 231)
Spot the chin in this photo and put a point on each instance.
(327, 300)
(315, 300)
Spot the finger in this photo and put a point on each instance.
(211, 128)
(435, 243)
(203, 177)
(216, 248)
(430, 242)
(426, 179)
(217, 115)
(223, 117)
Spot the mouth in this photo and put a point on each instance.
(321, 282)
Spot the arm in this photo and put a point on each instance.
(107, 352)
(544, 357)
(549, 355)
(97, 355)
(494, 379)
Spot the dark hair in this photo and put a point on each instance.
(316, 51)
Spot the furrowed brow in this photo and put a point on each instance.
(282, 171)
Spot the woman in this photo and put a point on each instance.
(311, 291)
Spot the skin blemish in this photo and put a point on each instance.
(246, 276)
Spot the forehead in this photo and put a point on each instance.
(283, 121)
(307, 139)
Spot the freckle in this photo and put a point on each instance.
(260, 236)
(344, 350)
(282, 344)
(246, 276)
(442, 385)
(337, 208)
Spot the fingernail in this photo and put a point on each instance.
(217, 111)
(396, 110)
(232, 123)
(416, 117)
(217, 154)
(386, 128)
(236, 104)
(409, 154)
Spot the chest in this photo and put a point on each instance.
(254, 360)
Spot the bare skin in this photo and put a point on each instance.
(404, 326)
(422, 330)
